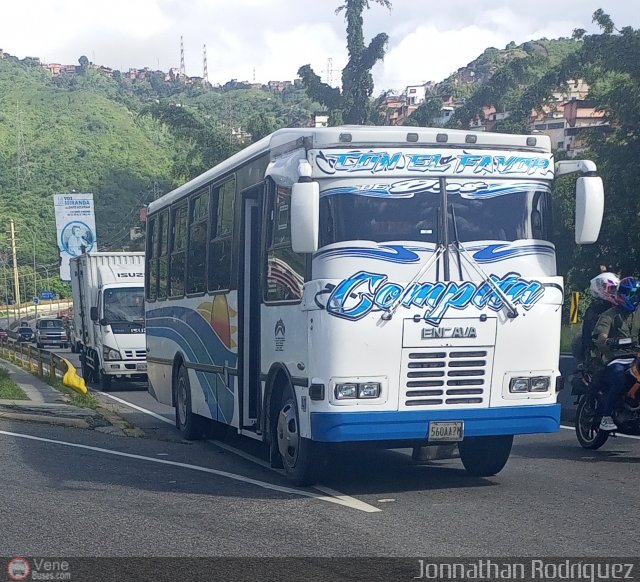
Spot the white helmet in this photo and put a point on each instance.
(604, 286)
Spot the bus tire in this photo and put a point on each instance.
(485, 456)
(187, 422)
(301, 457)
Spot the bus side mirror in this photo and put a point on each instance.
(93, 313)
(589, 208)
(305, 217)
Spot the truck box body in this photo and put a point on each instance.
(111, 285)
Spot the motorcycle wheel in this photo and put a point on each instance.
(589, 437)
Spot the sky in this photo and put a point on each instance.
(270, 39)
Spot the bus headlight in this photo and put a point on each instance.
(369, 390)
(540, 384)
(519, 385)
(346, 391)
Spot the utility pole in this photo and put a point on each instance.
(35, 283)
(16, 281)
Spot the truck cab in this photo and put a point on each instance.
(118, 320)
(109, 326)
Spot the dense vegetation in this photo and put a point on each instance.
(87, 132)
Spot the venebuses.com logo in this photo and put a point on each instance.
(20, 568)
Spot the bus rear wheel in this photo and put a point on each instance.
(300, 456)
(187, 422)
(485, 456)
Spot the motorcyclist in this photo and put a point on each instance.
(603, 290)
(616, 336)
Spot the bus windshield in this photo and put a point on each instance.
(409, 211)
(124, 305)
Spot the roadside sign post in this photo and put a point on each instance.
(47, 296)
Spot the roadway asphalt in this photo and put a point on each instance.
(552, 499)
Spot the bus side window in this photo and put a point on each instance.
(197, 252)
(220, 235)
(178, 251)
(163, 254)
(285, 269)
(152, 259)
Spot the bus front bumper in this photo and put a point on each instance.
(412, 425)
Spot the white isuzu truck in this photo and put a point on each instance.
(108, 307)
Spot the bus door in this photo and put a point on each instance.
(249, 301)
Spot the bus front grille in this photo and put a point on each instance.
(446, 377)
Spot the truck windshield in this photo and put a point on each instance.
(124, 304)
(409, 210)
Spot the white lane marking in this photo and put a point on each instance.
(618, 435)
(139, 408)
(226, 474)
(346, 499)
(351, 501)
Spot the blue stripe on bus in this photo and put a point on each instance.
(413, 424)
(200, 344)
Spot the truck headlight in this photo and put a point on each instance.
(369, 390)
(540, 384)
(346, 391)
(110, 354)
(519, 385)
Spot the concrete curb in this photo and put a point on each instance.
(109, 413)
(46, 419)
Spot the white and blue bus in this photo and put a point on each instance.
(380, 285)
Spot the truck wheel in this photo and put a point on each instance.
(485, 456)
(188, 423)
(105, 381)
(301, 457)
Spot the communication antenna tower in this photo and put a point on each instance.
(205, 72)
(182, 69)
(329, 71)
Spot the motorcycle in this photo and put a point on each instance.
(587, 387)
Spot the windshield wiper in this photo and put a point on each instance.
(388, 313)
(461, 252)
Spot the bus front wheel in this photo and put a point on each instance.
(485, 456)
(300, 456)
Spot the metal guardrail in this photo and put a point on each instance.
(45, 364)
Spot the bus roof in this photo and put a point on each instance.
(358, 136)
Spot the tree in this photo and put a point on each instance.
(205, 144)
(351, 105)
(260, 125)
(84, 63)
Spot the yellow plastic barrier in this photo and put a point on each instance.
(72, 380)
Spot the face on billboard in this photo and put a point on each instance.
(75, 236)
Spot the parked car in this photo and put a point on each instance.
(4, 334)
(24, 334)
(51, 332)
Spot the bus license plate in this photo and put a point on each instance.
(142, 367)
(452, 431)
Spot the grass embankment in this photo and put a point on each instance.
(9, 390)
(87, 400)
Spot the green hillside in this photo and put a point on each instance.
(87, 132)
